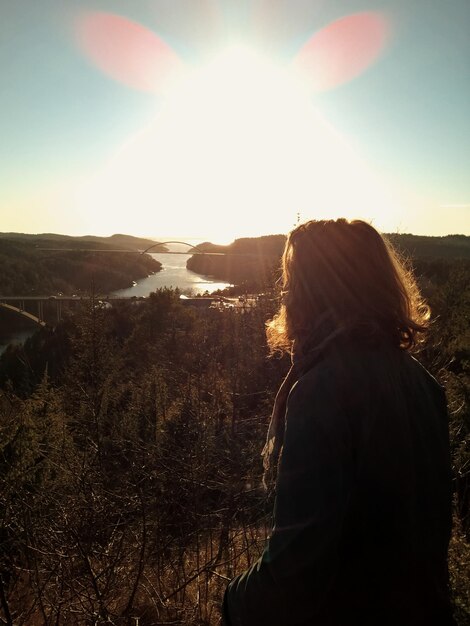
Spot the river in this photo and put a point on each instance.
(15, 337)
(173, 274)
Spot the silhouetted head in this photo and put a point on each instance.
(345, 274)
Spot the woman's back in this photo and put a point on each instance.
(362, 514)
(392, 552)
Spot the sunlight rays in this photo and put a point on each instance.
(237, 149)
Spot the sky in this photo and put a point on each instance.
(215, 119)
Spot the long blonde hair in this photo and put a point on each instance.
(348, 272)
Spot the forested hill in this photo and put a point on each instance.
(47, 264)
(117, 241)
(248, 260)
(255, 261)
(421, 247)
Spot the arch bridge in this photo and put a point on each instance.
(194, 249)
(37, 319)
(18, 304)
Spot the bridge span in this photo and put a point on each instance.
(17, 304)
(24, 313)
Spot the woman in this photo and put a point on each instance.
(359, 442)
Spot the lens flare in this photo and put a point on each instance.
(128, 52)
(237, 150)
(342, 50)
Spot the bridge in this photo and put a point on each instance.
(17, 304)
(21, 311)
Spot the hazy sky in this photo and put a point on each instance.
(97, 137)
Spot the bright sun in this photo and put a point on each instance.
(236, 150)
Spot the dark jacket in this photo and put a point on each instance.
(362, 517)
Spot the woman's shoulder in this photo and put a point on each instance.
(356, 373)
(346, 393)
(348, 362)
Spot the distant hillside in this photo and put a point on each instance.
(48, 264)
(421, 247)
(118, 241)
(254, 262)
(251, 260)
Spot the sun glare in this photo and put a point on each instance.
(236, 150)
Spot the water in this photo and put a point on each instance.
(15, 337)
(173, 274)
